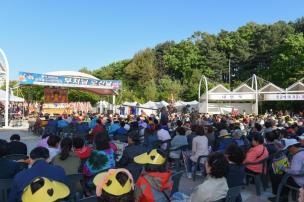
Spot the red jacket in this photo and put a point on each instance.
(152, 184)
(255, 154)
(84, 152)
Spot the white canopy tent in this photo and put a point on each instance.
(12, 98)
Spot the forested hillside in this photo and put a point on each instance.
(274, 52)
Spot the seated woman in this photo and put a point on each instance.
(236, 170)
(116, 185)
(53, 146)
(81, 150)
(179, 139)
(66, 159)
(199, 148)
(152, 183)
(150, 138)
(255, 154)
(215, 186)
(133, 149)
(102, 158)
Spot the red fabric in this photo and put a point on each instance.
(98, 129)
(147, 195)
(255, 154)
(84, 152)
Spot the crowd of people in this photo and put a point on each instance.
(132, 158)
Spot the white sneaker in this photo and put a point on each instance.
(189, 175)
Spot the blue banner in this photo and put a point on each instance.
(26, 78)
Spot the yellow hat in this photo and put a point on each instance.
(108, 182)
(43, 189)
(153, 157)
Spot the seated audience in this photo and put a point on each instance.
(150, 138)
(15, 146)
(81, 150)
(163, 135)
(199, 148)
(296, 166)
(155, 180)
(236, 170)
(179, 140)
(133, 149)
(53, 146)
(8, 168)
(46, 190)
(215, 186)
(66, 159)
(102, 158)
(224, 141)
(116, 185)
(39, 168)
(255, 154)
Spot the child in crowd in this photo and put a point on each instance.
(116, 185)
(155, 181)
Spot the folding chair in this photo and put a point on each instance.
(196, 165)
(178, 160)
(176, 179)
(5, 185)
(284, 183)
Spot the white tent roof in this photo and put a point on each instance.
(155, 105)
(132, 104)
(271, 88)
(219, 89)
(182, 103)
(298, 86)
(12, 97)
(244, 88)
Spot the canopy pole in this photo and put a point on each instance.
(6, 116)
(206, 88)
(256, 107)
(114, 104)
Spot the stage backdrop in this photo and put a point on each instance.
(55, 95)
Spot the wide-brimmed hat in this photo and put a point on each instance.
(108, 182)
(153, 157)
(223, 133)
(43, 189)
(289, 142)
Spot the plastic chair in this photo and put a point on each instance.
(176, 179)
(5, 185)
(74, 179)
(178, 160)
(284, 183)
(259, 179)
(89, 199)
(196, 165)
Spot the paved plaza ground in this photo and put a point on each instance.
(186, 185)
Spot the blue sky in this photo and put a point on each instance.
(50, 35)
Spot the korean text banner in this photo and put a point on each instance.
(26, 78)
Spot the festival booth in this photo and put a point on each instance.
(180, 105)
(246, 97)
(56, 85)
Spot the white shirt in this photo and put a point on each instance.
(163, 135)
(53, 152)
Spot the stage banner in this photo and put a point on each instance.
(55, 95)
(278, 97)
(234, 96)
(26, 78)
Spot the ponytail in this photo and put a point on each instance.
(66, 146)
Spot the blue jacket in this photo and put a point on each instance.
(39, 169)
(8, 168)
